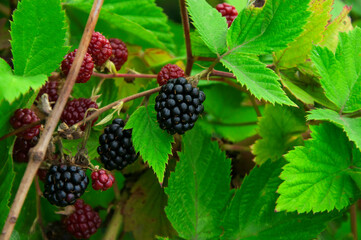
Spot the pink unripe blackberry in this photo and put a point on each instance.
(119, 52)
(169, 71)
(86, 69)
(227, 11)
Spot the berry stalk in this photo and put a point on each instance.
(113, 104)
(104, 75)
(186, 29)
(38, 153)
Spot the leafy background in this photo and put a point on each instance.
(187, 194)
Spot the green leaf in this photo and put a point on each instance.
(7, 175)
(153, 143)
(226, 114)
(298, 51)
(145, 13)
(268, 29)
(352, 126)
(38, 37)
(12, 86)
(214, 35)
(341, 72)
(280, 129)
(114, 25)
(144, 210)
(251, 214)
(260, 80)
(316, 177)
(198, 190)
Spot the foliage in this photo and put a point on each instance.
(275, 155)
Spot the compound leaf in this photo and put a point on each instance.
(298, 51)
(352, 126)
(153, 144)
(251, 214)
(38, 37)
(199, 189)
(280, 129)
(12, 86)
(268, 29)
(260, 80)
(317, 176)
(148, 31)
(210, 24)
(341, 72)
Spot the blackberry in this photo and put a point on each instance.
(86, 69)
(21, 148)
(227, 11)
(116, 148)
(24, 117)
(75, 110)
(83, 222)
(178, 106)
(64, 184)
(102, 180)
(50, 88)
(99, 48)
(167, 72)
(119, 52)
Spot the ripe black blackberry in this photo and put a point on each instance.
(84, 222)
(167, 72)
(86, 69)
(75, 110)
(21, 149)
(50, 88)
(99, 48)
(116, 148)
(119, 52)
(24, 117)
(227, 11)
(178, 106)
(64, 184)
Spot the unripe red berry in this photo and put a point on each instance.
(102, 180)
(169, 71)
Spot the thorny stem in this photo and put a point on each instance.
(115, 224)
(19, 130)
(186, 29)
(37, 154)
(113, 104)
(124, 75)
(38, 207)
(254, 104)
(353, 216)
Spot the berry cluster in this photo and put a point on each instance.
(99, 51)
(167, 72)
(75, 110)
(116, 148)
(24, 117)
(83, 222)
(102, 180)
(64, 184)
(227, 11)
(178, 106)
